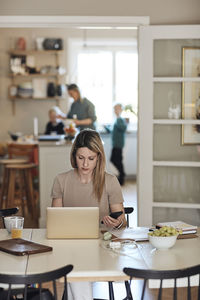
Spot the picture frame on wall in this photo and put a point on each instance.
(191, 95)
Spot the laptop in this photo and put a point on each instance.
(72, 222)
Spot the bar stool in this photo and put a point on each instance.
(5, 162)
(25, 186)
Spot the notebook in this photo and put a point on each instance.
(179, 225)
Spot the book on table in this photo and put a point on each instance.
(179, 225)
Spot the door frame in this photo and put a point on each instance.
(82, 22)
(72, 21)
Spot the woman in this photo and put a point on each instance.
(87, 184)
(82, 111)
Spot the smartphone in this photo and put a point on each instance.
(115, 215)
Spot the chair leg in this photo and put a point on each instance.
(7, 174)
(29, 192)
(4, 190)
(21, 186)
(11, 188)
(128, 291)
(111, 291)
(127, 221)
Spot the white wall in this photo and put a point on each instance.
(160, 11)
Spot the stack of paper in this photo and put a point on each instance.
(179, 225)
(137, 234)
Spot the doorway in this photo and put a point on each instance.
(102, 23)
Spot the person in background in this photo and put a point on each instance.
(89, 185)
(54, 125)
(82, 111)
(118, 141)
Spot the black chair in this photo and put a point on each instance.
(128, 211)
(29, 293)
(161, 275)
(8, 212)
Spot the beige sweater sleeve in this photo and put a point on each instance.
(114, 190)
(57, 190)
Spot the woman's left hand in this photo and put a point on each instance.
(111, 222)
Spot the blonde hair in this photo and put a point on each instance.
(52, 110)
(91, 139)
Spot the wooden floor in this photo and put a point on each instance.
(100, 291)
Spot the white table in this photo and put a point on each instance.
(92, 262)
(11, 264)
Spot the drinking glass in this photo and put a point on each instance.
(17, 227)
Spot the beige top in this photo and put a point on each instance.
(76, 194)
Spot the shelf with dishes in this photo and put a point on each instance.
(33, 78)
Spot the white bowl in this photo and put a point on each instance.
(8, 221)
(163, 242)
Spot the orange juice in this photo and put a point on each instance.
(16, 233)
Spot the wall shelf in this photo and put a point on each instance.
(27, 99)
(175, 122)
(193, 164)
(57, 77)
(35, 75)
(176, 205)
(176, 79)
(33, 52)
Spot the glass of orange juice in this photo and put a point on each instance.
(17, 227)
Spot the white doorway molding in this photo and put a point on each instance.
(71, 21)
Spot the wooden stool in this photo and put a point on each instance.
(5, 162)
(25, 186)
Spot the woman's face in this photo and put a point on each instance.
(86, 161)
(74, 94)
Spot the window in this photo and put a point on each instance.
(107, 76)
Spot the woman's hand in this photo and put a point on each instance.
(121, 220)
(111, 222)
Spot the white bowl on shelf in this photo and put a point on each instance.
(163, 242)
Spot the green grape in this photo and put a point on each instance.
(165, 231)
